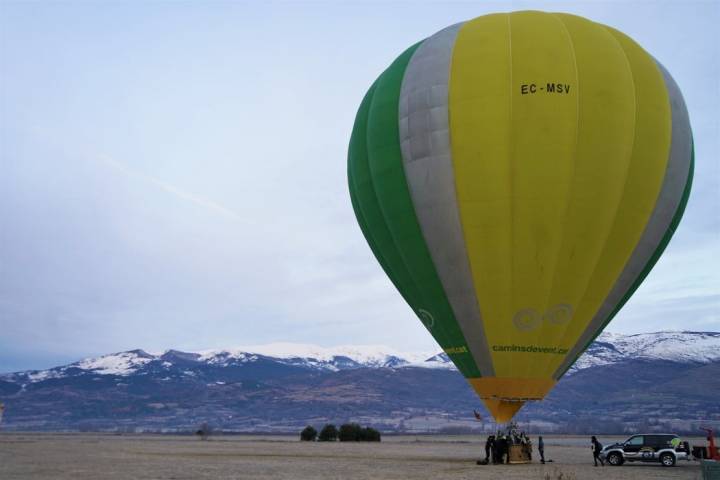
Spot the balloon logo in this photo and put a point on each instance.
(559, 314)
(527, 319)
(426, 318)
(518, 175)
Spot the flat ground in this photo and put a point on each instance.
(110, 457)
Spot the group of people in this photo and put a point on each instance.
(497, 447)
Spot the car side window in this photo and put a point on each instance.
(637, 440)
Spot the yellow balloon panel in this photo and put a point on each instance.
(544, 121)
(642, 182)
(479, 110)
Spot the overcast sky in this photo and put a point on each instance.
(173, 174)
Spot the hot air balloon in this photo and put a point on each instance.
(517, 176)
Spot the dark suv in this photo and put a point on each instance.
(652, 447)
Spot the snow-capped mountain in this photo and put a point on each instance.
(289, 354)
(673, 376)
(681, 347)
(335, 358)
(608, 348)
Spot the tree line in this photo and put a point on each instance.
(348, 432)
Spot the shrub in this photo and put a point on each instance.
(329, 433)
(204, 431)
(309, 434)
(350, 432)
(369, 434)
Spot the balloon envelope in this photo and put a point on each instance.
(517, 176)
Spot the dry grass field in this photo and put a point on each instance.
(30, 456)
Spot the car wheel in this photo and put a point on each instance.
(615, 459)
(667, 459)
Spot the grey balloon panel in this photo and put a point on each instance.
(671, 193)
(425, 145)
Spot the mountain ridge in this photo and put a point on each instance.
(608, 348)
(669, 379)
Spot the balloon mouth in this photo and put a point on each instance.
(503, 410)
(504, 397)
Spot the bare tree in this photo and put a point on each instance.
(204, 431)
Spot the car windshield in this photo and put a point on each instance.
(637, 440)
